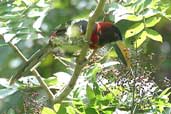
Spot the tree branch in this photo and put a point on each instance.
(81, 62)
(20, 54)
(34, 71)
(31, 62)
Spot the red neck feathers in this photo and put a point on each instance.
(95, 35)
(94, 40)
(103, 25)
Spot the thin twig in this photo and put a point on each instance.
(20, 54)
(92, 54)
(81, 62)
(133, 93)
(31, 62)
(34, 71)
(134, 74)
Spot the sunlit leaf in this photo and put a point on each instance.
(61, 4)
(47, 110)
(62, 110)
(119, 12)
(134, 30)
(150, 12)
(96, 89)
(147, 3)
(140, 40)
(93, 71)
(154, 35)
(91, 111)
(51, 81)
(56, 107)
(138, 6)
(109, 96)
(107, 112)
(90, 92)
(70, 110)
(134, 18)
(152, 21)
(165, 92)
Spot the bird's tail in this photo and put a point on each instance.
(123, 52)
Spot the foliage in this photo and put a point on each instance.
(105, 86)
(143, 15)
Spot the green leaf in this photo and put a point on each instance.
(91, 111)
(152, 21)
(70, 110)
(164, 92)
(62, 110)
(93, 71)
(107, 112)
(109, 96)
(7, 92)
(134, 17)
(150, 12)
(56, 107)
(141, 38)
(47, 110)
(96, 88)
(147, 3)
(90, 93)
(134, 30)
(154, 35)
(51, 81)
(138, 6)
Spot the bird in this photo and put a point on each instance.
(104, 32)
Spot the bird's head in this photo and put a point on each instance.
(76, 29)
